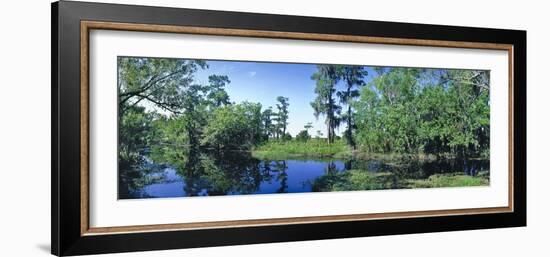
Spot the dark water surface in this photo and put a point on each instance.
(208, 174)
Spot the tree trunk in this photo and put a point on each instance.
(328, 132)
(350, 128)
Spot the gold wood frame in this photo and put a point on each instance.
(86, 26)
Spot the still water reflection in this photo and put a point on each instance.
(233, 173)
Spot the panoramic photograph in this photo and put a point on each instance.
(191, 127)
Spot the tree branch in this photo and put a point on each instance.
(152, 81)
(162, 105)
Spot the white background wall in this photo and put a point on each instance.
(25, 127)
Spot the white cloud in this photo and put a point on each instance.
(251, 73)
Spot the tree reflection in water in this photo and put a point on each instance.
(282, 177)
(209, 173)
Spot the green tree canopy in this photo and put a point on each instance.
(354, 78)
(155, 80)
(282, 116)
(324, 103)
(217, 94)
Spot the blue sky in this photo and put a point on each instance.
(262, 82)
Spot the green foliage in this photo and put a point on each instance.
(236, 126)
(136, 133)
(303, 136)
(154, 80)
(151, 90)
(286, 137)
(194, 115)
(408, 110)
(324, 103)
(353, 180)
(172, 141)
(281, 150)
(356, 180)
(269, 129)
(191, 115)
(137, 130)
(449, 180)
(400, 110)
(327, 78)
(353, 78)
(281, 117)
(217, 94)
(166, 116)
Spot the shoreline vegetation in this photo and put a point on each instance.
(355, 180)
(318, 148)
(394, 116)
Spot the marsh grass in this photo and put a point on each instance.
(451, 180)
(360, 179)
(301, 149)
(357, 180)
(319, 148)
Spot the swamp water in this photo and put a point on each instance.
(237, 173)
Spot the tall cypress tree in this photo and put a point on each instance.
(326, 78)
(353, 77)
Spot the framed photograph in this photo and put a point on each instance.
(177, 128)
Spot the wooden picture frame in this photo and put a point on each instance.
(71, 25)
